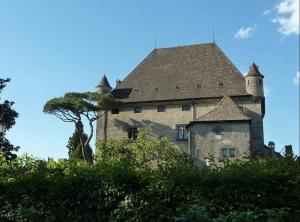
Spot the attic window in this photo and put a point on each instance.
(135, 89)
(221, 84)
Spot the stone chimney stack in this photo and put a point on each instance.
(118, 82)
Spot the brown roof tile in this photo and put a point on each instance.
(226, 110)
(185, 72)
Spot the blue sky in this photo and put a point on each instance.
(52, 47)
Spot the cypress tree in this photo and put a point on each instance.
(74, 146)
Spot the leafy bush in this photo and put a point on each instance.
(128, 183)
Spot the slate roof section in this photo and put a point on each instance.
(184, 72)
(226, 110)
(254, 71)
(104, 82)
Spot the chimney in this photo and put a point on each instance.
(118, 82)
(288, 150)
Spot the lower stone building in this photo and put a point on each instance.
(193, 95)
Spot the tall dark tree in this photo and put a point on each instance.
(74, 144)
(7, 119)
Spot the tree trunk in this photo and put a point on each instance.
(84, 145)
(105, 126)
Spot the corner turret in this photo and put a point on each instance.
(254, 81)
(103, 86)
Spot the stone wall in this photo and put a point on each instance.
(164, 123)
(206, 143)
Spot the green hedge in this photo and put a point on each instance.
(254, 190)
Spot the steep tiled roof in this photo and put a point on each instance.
(226, 110)
(104, 82)
(254, 71)
(184, 72)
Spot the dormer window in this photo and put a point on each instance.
(221, 84)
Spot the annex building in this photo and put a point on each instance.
(195, 96)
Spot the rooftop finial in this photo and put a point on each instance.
(213, 34)
(155, 40)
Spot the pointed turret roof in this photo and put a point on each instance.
(226, 110)
(254, 70)
(104, 82)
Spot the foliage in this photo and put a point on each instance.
(128, 185)
(74, 145)
(145, 153)
(8, 118)
(73, 107)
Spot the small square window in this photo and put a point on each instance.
(161, 109)
(137, 109)
(115, 111)
(221, 84)
(132, 133)
(185, 107)
(182, 133)
(228, 152)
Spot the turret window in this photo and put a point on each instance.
(248, 82)
(260, 82)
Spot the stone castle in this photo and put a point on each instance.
(195, 96)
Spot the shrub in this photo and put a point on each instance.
(127, 189)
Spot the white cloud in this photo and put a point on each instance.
(287, 17)
(267, 12)
(244, 33)
(296, 78)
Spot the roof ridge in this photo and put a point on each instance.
(182, 46)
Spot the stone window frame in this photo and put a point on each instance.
(186, 107)
(161, 108)
(137, 109)
(115, 111)
(229, 152)
(133, 132)
(185, 135)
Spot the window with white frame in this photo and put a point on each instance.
(229, 152)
